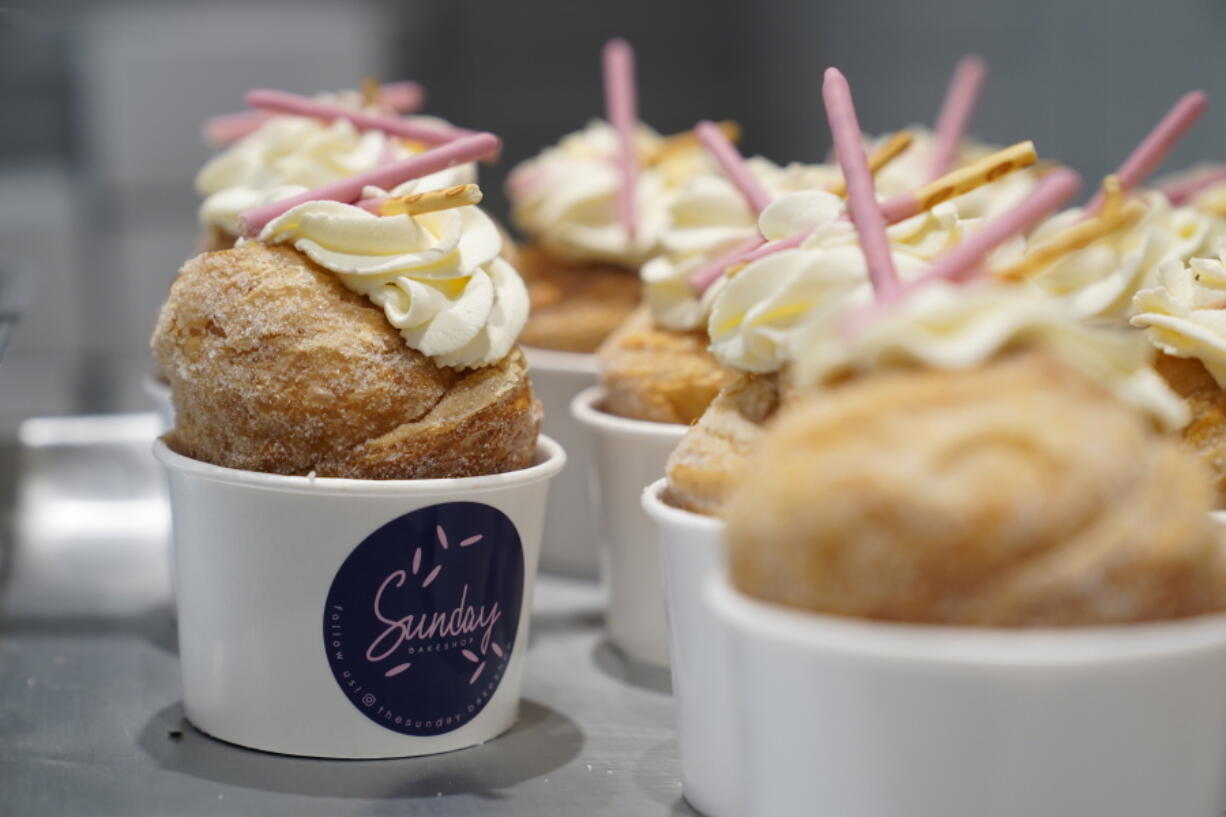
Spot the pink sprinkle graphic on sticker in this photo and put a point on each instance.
(396, 670)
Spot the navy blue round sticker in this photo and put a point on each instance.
(421, 617)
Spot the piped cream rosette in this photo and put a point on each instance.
(706, 218)
(304, 152)
(759, 313)
(566, 197)
(1100, 280)
(1184, 315)
(437, 275)
(959, 326)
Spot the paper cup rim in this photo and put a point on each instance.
(969, 647)
(549, 460)
(661, 511)
(583, 407)
(556, 360)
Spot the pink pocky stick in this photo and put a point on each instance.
(861, 195)
(733, 165)
(1147, 155)
(622, 112)
(709, 273)
(1184, 190)
(460, 151)
(403, 97)
(960, 100)
(282, 102)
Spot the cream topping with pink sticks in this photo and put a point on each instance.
(460, 151)
(283, 102)
(402, 97)
(895, 210)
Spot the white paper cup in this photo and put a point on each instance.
(354, 618)
(158, 392)
(692, 546)
(568, 546)
(627, 455)
(850, 717)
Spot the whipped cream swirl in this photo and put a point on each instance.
(708, 217)
(566, 197)
(945, 326)
(1100, 280)
(1184, 315)
(437, 276)
(302, 152)
(762, 312)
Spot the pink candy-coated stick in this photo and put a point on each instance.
(462, 150)
(1056, 188)
(734, 167)
(402, 97)
(960, 100)
(282, 102)
(709, 273)
(227, 128)
(405, 96)
(1182, 191)
(861, 195)
(1146, 157)
(622, 111)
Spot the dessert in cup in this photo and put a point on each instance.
(591, 208)
(357, 481)
(284, 143)
(759, 313)
(968, 549)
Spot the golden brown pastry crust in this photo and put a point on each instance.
(574, 307)
(1017, 494)
(1206, 433)
(657, 374)
(275, 366)
(710, 459)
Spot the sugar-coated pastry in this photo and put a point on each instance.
(574, 308)
(710, 460)
(659, 375)
(1016, 493)
(276, 366)
(361, 334)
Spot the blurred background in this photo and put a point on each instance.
(103, 103)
